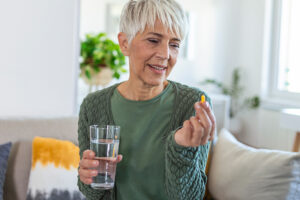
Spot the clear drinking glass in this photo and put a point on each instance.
(104, 141)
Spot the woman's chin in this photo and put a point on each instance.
(155, 82)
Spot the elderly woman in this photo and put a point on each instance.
(165, 129)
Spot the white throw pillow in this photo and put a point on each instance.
(53, 174)
(240, 172)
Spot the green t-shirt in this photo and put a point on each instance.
(140, 175)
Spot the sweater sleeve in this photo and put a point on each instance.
(185, 168)
(83, 140)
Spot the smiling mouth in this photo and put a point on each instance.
(158, 67)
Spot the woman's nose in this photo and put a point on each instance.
(163, 52)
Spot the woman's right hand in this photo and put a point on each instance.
(87, 164)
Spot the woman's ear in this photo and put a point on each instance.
(123, 42)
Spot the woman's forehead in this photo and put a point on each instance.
(159, 29)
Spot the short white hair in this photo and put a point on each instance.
(137, 14)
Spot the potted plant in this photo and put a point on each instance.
(235, 91)
(101, 60)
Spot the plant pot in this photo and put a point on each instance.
(101, 78)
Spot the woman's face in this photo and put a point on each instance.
(152, 55)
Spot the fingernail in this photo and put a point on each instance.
(91, 153)
(94, 172)
(197, 105)
(95, 162)
(207, 104)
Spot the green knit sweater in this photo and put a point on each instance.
(185, 177)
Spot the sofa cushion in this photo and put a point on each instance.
(21, 131)
(18, 169)
(25, 129)
(54, 170)
(4, 153)
(242, 172)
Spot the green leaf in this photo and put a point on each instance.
(116, 75)
(97, 69)
(226, 91)
(213, 82)
(123, 70)
(253, 102)
(88, 74)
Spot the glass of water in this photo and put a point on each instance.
(104, 141)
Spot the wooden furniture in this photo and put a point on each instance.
(290, 118)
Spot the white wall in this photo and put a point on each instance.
(240, 40)
(38, 57)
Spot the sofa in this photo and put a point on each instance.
(235, 171)
(21, 131)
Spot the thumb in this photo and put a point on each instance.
(119, 158)
(187, 126)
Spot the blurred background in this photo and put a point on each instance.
(245, 49)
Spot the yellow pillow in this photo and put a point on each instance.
(54, 172)
(59, 152)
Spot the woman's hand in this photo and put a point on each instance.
(198, 129)
(87, 166)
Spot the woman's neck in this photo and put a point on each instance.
(138, 91)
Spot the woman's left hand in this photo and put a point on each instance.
(199, 129)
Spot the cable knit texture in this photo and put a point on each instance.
(185, 177)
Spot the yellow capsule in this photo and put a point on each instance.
(202, 98)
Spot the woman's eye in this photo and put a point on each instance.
(153, 41)
(175, 45)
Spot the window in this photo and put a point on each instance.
(289, 55)
(285, 50)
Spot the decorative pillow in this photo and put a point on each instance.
(242, 172)
(4, 153)
(54, 170)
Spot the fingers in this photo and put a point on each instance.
(86, 175)
(205, 122)
(88, 163)
(198, 129)
(113, 159)
(88, 154)
(85, 171)
(87, 166)
(119, 158)
(207, 117)
(212, 119)
(198, 132)
(213, 131)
